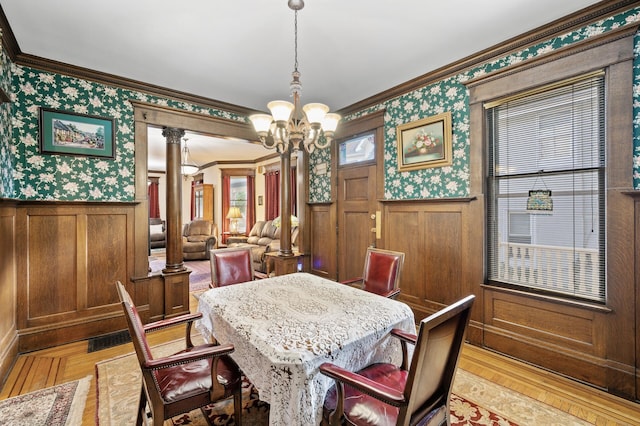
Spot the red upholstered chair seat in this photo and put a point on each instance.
(181, 382)
(188, 380)
(416, 392)
(362, 408)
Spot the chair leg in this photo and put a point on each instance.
(142, 408)
(237, 405)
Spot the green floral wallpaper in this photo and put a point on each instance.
(72, 178)
(6, 163)
(26, 174)
(451, 95)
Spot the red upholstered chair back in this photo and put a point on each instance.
(231, 266)
(382, 270)
(435, 358)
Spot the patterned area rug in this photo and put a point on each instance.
(56, 406)
(476, 401)
(199, 279)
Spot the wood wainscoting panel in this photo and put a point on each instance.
(52, 268)
(69, 257)
(322, 259)
(551, 323)
(8, 285)
(103, 267)
(431, 235)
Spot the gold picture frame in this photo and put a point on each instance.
(425, 143)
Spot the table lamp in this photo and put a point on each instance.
(233, 215)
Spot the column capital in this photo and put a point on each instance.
(172, 134)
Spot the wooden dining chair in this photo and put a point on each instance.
(231, 266)
(382, 269)
(190, 379)
(415, 393)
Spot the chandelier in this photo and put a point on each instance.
(287, 128)
(187, 165)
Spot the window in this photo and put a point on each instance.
(238, 198)
(549, 140)
(358, 150)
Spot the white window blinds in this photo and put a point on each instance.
(546, 209)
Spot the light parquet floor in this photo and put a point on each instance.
(61, 364)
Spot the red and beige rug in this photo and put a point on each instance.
(476, 401)
(60, 405)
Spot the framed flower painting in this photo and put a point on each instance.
(425, 143)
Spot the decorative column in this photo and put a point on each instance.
(285, 204)
(174, 259)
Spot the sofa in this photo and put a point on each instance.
(157, 233)
(264, 237)
(198, 238)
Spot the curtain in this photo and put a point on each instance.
(193, 200)
(272, 194)
(226, 203)
(154, 202)
(251, 204)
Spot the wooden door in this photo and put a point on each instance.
(356, 212)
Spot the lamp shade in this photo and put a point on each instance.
(281, 110)
(330, 122)
(234, 213)
(315, 112)
(261, 122)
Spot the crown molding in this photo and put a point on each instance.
(568, 23)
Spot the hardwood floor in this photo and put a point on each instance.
(61, 364)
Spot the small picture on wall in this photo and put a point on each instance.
(68, 133)
(425, 143)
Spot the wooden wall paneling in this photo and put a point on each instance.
(432, 236)
(176, 294)
(70, 256)
(8, 286)
(322, 225)
(403, 229)
(610, 360)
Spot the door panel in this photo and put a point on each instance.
(356, 206)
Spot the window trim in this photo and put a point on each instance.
(613, 52)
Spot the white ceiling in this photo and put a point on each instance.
(241, 51)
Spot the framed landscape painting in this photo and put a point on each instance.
(425, 143)
(68, 133)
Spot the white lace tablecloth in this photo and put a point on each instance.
(284, 327)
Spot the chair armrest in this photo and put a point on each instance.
(352, 281)
(159, 325)
(363, 384)
(405, 338)
(210, 244)
(196, 354)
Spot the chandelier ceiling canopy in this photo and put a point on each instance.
(289, 129)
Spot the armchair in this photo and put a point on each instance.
(382, 269)
(198, 238)
(157, 233)
(189, 379)
(385, 394)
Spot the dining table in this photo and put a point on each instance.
(284, 327)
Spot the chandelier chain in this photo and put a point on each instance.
(295, 43)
